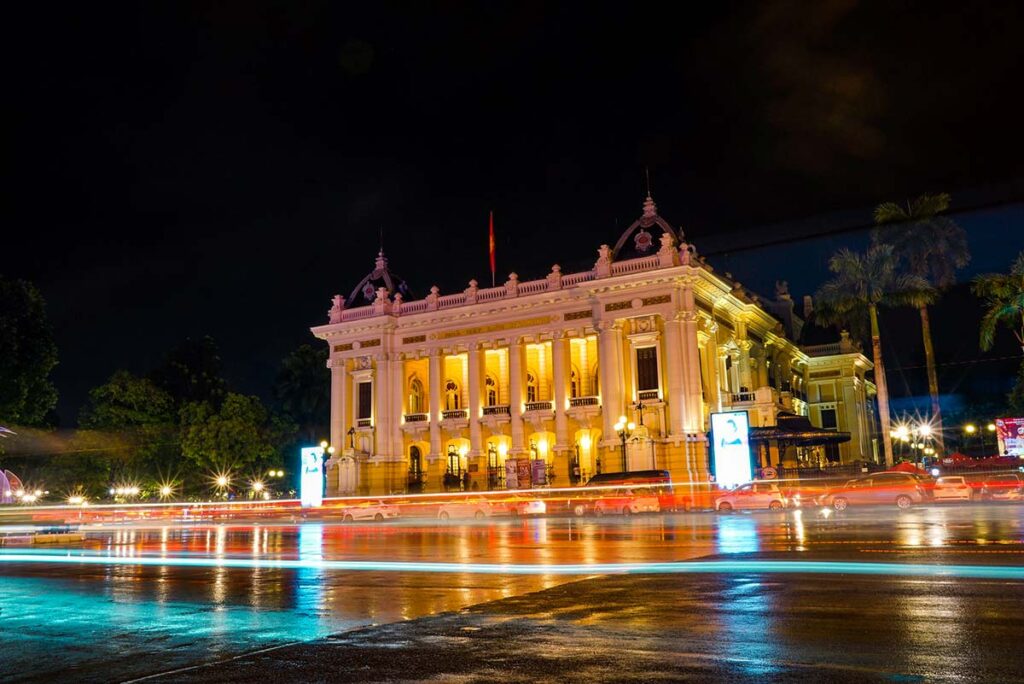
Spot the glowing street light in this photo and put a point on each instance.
(624, 431)
(970, 428)
(925, 430)
(166, 491)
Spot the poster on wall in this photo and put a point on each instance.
(730, 448)
(311, 485)
(1010, 433)
(511, 474)
(539, 472)
(523, 468)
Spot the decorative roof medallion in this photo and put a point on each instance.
(643, 241)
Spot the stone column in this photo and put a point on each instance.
(693, 418)
(515, 396)
(674, 357)
(434, 373)
(397, 408)
(744, 344)
(339, 440)
(609, 363)
(559, 361)
(475, 360)
(382, 407)
(710, 351)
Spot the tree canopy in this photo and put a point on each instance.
(237, 433)
(125, 401)
(302, 390)
(192, 371)
(866, 280)
(27, 355)
(1004, 301)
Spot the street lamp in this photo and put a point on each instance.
(624, 431)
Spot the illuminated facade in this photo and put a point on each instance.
(439, 392)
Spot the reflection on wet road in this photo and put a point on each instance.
(117, 621)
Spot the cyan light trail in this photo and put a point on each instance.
(917, 570)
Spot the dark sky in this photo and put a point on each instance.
(224, 168)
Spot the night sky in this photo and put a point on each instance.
(176, 170)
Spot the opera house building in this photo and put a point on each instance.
(445, 392)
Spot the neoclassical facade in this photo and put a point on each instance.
(440, 392)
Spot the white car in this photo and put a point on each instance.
(478, 508)
(952, 488)
(752, 496)
(527, 507)
(369, 510)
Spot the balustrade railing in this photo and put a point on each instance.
(538, 406)
(501, 292)
(496, 410)
(576, 402)
(454, 414)
(647, 395)
(364, 422)
(417, 417)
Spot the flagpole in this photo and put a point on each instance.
(490, 245)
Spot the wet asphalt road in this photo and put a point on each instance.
(115, 622)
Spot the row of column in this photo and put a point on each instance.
(681, 351)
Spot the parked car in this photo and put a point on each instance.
(369, 510)
(752, 496)
(953, 488)
(902, 489)
(626, 502)
(476, 507)
(1003, 487)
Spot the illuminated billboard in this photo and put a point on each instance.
(1010, 433)
(730, 448)
(311, 486)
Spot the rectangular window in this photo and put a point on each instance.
(828, 419)
(646, 369)
(365, 402)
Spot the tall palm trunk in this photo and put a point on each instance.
(883, 390)
(933, 379)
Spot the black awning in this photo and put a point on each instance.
(798, 431)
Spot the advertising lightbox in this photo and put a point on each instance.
(730, 448)
(1010, 433)
(311, 485)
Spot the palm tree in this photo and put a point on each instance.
(1004, 297)
(861, 284)
(934, 247)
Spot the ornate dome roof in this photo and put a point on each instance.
(365, 292)
(643, 238)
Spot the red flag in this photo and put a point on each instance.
(491, 248)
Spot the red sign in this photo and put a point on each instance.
(523, 466)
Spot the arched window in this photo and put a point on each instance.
(451, 395)
(416, 396)
(574, 383)
(415, 462)
(595, 381)
(531, 387)
(491, 391)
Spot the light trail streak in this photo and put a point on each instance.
(916, 570)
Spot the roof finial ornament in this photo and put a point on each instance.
(647, 173)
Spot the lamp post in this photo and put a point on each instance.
(624, 431)
(352, 438)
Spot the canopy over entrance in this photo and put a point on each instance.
(794, 430)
